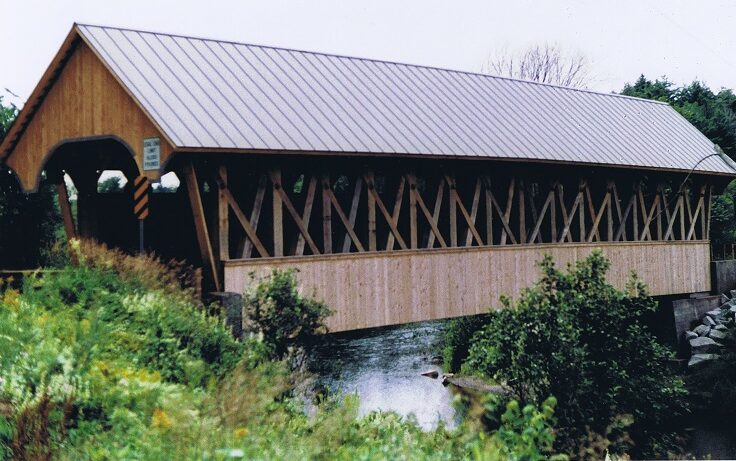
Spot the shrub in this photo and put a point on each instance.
(100, 362)
(456, 339)
(578, 338)
(282, 315)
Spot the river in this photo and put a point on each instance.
(383, 366)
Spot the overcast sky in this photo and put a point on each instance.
(684, 40)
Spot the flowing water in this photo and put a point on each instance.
(383, 366)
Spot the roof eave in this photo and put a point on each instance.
(221, 150)
(39, 93)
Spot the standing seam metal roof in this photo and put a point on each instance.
(224, 95)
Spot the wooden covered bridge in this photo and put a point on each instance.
(400, 192)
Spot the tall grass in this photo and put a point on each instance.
(115, 358)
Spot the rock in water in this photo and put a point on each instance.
(703, 345)
(431, 374)
(701, 359)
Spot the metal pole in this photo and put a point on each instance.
(141, 248)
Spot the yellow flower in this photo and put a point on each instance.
(160, 419)
(240, 432)
(12, 299)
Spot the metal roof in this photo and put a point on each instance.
(224, 95)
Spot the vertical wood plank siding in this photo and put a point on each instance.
(384, 288)
(85, 102)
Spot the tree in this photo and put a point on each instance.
(110, 185)
(542, 63)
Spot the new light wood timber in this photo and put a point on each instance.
(66, 210)
(249, 228)
(307, 214)
(223, 215)
(382, 288)
(326, 214)
(200, 225)
(390, 239)
(277, 213)
(255, 217)
(347, 240)
(286, 201)
(85, 102)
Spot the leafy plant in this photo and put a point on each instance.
(576, 337)
(282, 315)
(456, 339)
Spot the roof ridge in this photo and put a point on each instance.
(384, 61)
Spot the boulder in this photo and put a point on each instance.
(709, 322)
(733, 294)
(690, 335)
(724, 299)
(720, 328)
(701, 359)
(718, 335)
(702, 330)
(434, 374)
(704, 345)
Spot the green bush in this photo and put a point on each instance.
(456, 339)
(576, 337)
(282, 315)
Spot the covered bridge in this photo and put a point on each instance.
(400, 192)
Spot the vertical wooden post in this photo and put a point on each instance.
(370, 180)
(702, 215)
(223, 214)
(662, 201)
(326, 214)
(278, 213)
(522, 212)
(453, 212)
(489, 210)
(609, 211)
(255, 213)
(347, 242)
(635, 216)
(553, 215)
(581, 210)
(683, 197)
(507, 211)
(200, 225)
(709, 201)
(66, 210)
(412, 209)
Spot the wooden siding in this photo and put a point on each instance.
(376, 289)
(85, 102)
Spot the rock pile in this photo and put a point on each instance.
(708, 339)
